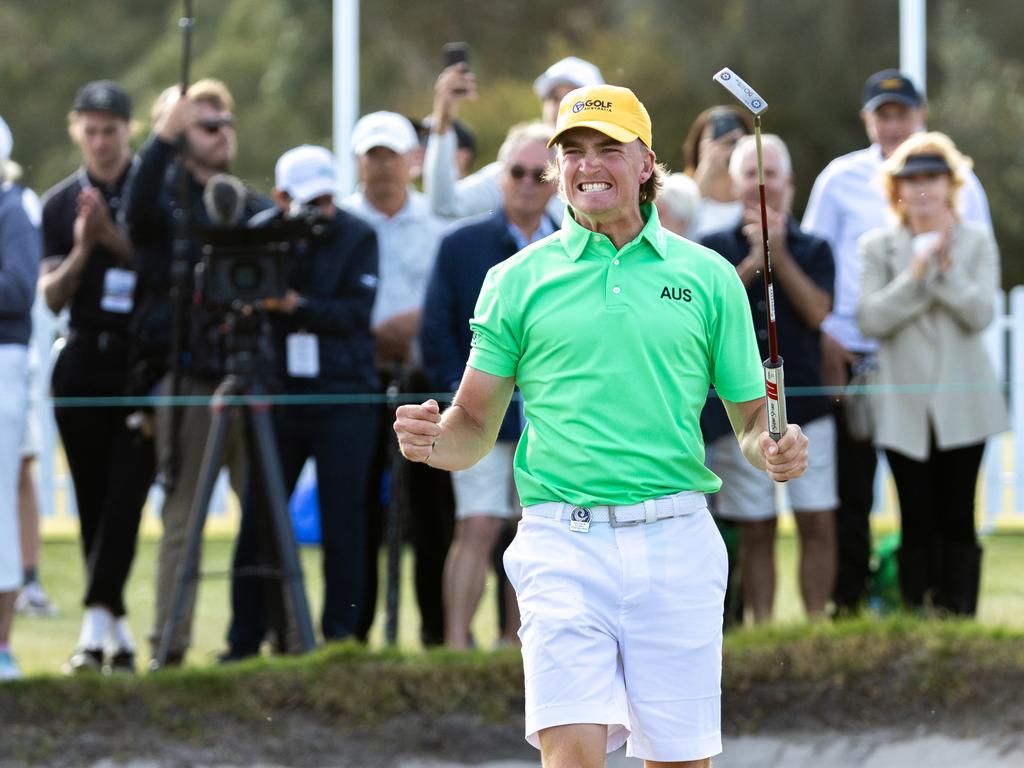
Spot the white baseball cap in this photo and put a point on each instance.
(306, 173)
(6, 142)
(569, 71)
(384, 129)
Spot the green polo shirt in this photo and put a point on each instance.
(613, 352)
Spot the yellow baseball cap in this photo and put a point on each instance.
(614, 111)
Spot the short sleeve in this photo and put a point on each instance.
(496, 347)
(736, 370)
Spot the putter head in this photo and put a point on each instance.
(738, 88)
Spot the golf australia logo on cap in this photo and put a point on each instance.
(891, 84)
(604, 106)
(579, 520)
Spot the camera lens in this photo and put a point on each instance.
(246, 274)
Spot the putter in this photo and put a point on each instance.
(774, 384)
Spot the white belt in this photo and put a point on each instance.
(650, 511)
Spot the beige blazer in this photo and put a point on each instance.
(933, 366)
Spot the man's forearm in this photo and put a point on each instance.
(462, 442)
(60, 284)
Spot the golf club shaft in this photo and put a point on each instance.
(774, 379)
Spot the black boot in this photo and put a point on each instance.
(915, 574)
(960, 579)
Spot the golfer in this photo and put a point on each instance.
(613, 328)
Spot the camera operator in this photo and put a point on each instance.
(323, 345)
(201, 128)
(89, 269)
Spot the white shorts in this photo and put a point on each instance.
(623, 626)
(488, 489)
(748, 495)
(14, 386)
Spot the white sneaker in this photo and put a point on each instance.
(9, 669)
(33, 601)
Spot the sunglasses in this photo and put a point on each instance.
(214, 124)
(520, 172)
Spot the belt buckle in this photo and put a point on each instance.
(614, 522)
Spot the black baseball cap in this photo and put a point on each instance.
(890, 85)
(103, 96)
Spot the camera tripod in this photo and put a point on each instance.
(261, 447)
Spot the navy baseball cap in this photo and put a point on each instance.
(930, 162)
(103, 96)
(890, 85)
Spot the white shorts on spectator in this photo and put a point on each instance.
(748, 494)
(488, 489)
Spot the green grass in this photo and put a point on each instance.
(42, 645)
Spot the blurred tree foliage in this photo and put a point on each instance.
(809, 59)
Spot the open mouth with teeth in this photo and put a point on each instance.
(593, 186)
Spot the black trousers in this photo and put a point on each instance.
(939, 555)
(856, 462)
(428, 509)
(340, 439)
(112, 466)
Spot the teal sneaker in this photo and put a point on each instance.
(9, 669)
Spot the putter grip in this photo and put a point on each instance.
(775, 398)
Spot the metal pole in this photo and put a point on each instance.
(913, 42)
(346, 89)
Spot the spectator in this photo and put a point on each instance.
(706, 151)
(203, 124)
(927, 292)
(19, 267)
(407, 238)
(804, 277)
(678, 203)
(332, 280)
(485, 496)
(480, 192)
(88, 268)
(847, 201)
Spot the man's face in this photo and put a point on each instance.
(525, 195)
(385, 171)
(601, 177)
(211, 137)
(776, 180)
(549, 107)
(891, 124)
(102, 137)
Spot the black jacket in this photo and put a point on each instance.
(150, 214)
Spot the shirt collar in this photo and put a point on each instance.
(544, 228)
(575, 236)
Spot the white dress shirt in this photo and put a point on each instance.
(407, 246)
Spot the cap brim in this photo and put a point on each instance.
(890, 98)
(381, 141)
(914, 167)
(608, 129)
(312, 189)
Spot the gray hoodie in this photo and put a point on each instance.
(20, 252)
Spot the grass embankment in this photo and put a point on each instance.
(893, 668)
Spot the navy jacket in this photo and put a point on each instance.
(465, 256)
(335, 273)
(20, 248)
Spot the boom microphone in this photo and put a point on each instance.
(224, 199)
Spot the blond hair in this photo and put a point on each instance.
(214, 92)
(930, 143)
